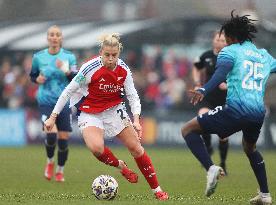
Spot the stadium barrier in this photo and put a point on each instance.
(164, 129)
(12, 127)
(159, 128)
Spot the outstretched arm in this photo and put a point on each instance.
(81, 79)
(72, 87)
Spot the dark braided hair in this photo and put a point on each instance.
(240, 28)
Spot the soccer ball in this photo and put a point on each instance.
(105, 187)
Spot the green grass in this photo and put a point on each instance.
(22, 182)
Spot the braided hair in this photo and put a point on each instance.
(241, 28)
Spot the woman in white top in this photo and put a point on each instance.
(97, 91)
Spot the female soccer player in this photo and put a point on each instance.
(203, 70)
(52, 69)
(100, 83)
(246, 69)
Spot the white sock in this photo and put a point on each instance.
(157, 189)
(264, 195)
(50, 160)
(59, 169)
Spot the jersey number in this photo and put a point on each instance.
(253, 79)
(120, 111)
(214, 111)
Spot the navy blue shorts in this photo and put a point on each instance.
(224, 122)
(64, 119)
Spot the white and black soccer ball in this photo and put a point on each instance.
(105, 187)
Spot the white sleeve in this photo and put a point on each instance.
(77, 87)
(71, 88)
(132, 95)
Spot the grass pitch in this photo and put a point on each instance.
(22, 182)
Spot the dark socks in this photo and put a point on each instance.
(258, 166)
(62, 151)
(223, 149)
(198, 148)
(50, 144)
(207, 141)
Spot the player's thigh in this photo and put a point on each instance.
(45, 112)
(94, 139)
(203, 110)
(219, 121)
(191, 126)
(129, 138)
(92, 129)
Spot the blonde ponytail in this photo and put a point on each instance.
(110, 40)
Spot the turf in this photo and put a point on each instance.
(22, 182)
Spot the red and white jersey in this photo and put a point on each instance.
(96, 88)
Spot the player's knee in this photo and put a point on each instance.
(248, 148)
(63, 135)
(136, 150)
(223, 140)
(202, 111)
(185, 130)
(96, 150)
(248, 151)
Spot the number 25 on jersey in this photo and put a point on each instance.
(254, 78)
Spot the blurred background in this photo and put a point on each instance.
(161, 39)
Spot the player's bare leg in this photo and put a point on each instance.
(94, 139)
(130, 139)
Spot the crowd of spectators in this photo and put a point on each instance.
(162, 78)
